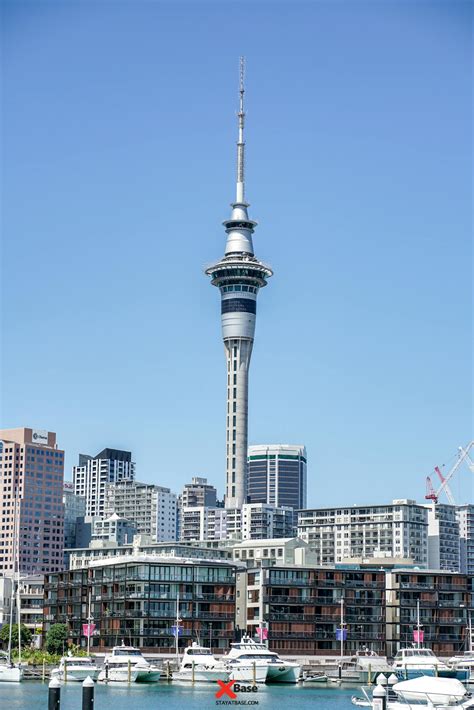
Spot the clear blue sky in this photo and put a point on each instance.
(119, 138)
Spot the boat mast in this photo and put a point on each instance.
(17, 562)
(12, 595)
(469, 628)
(176, 631)
(89, 619)
(342, 627)
(418, 625)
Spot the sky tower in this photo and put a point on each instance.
(239, 276)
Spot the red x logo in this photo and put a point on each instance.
(226, 689)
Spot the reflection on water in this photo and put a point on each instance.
(163, 696)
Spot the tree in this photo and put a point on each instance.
(25, 635)
(56, 638)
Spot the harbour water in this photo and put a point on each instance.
(32, 695)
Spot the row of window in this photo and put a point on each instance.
(236, 287)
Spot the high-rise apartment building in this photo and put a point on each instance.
(114, 529)
(277, 475)
(399, 529)
(239, 276)
(443, 537)
(198, 492)
(261, 521)
(93, 473)
(151, 508)
(465, 516)
(203, 523)
(31, 495)
(255, 521)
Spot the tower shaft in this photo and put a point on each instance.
(238, 352)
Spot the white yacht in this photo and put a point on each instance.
(464, 662)
(122, 672)
(198, 665)
(422, 692)
(119, 660)
(436, 691)
(359, 669)
(278, 670)
(237, 669)
(75, 669)
(414, 662)
(9, 672)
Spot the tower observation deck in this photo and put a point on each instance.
(239, 276)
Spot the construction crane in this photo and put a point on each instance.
(431, 493)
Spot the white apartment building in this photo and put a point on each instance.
(443, 537)
(199, 493)
(261, 521)
(93, 473)
(254, 521)
(115, 529)
(152, 508)
(203, 523)
(281, 551)
(399, 530)
(465, 516)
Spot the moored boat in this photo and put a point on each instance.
(198, 665)
(465, 663)
(118, 673)
(421, 692)
(414, 662)
(122, 656)
(359, 669)
(278, 670)
(73, 668)
(9, 672)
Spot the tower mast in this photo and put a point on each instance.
(240, 192)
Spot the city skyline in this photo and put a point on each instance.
(360, 175)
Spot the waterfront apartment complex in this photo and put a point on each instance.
(93, 473)
(142, 545)
(135, 599)
(31, 494)
(399, 529)
(151, 508)
(277, 475)
(300, 606)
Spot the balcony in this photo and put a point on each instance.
(279, 599)
(214, 597)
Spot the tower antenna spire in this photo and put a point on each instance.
(240, 195)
